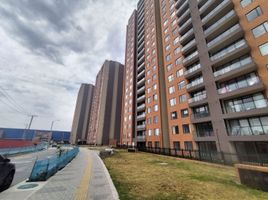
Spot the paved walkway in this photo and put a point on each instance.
(85, 178)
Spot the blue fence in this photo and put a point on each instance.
(18, 150)
(45, 168)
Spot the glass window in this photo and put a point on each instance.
(182, 98)
(264, 49)
(254, 13)
(181, 85)
(174, 115)
(188, 145)
(244, 3)
(179, 73)
(260, 30)
(175, 129)
(176, 145)
(185, 128)
(184, 113)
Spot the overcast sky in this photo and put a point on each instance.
(48, 48)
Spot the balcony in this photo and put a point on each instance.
(141, 127)
(141, 82)
(184, 38)
(141, 116)
(192, 71)
(140, 99)
(222, 24)
(251, 85)
(141, 60)
(141, 138)
(189, 46)
(184, 17)
(182, 8)
(195, 84)
(140, 47)
(197, 98)
(243, 66)
(226, 38)
(141, 108)
(141, 67)
(225, 6)
(231, 52)
(190, 59)
(178, 3)
(140, 54)
(200, 117)
(141, 90)
(205, 6)
(141, 73)
(186, 26)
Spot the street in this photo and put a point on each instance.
(24, 163)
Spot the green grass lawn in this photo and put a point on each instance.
(149, 176)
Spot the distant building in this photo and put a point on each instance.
(81, 114)
(105, 118)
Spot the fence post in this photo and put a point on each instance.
(182, 154)
(190, 152)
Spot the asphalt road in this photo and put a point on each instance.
(24, 163)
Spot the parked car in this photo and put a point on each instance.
(7, 171)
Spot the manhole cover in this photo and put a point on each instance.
(28, 186)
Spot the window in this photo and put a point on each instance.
(244, 3)
(156, 107)
(254, 13)
(174, 115)
(156, 131)
(185, 128)
(170, 78)
(188, 145)
(155, 97)
(181, 85)
(149, 100)
(177, 50)
(172, 102)
(150, 144)
(176, 40)
(264, 49)
(165, 22)
(184, 113)
(260, 30)
(178, 61)
(169, 67)
(155, 119)
(179, 73)
(182, 98)
(167, 38)
(175, 129)
(156, 144)
(149, 110)
(168, 57)
(149, 132)
(171, 89)
(155, 86)
(168, 47)
(176, 145)
(149, 121)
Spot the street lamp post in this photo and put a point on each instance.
(52, 123)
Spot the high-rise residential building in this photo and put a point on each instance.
(144, 59)
(201, 75)
(82, 114)
(105, 118)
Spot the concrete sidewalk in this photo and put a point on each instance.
(85, 178)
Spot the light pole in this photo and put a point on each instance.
(52, 123)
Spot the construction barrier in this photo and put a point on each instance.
(45, 168)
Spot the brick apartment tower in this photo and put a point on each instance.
(82, 114)
(212, 64)
(105, 118)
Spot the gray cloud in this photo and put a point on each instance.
(48, 48)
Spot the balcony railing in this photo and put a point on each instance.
(215, 10)
(216, 24)
(192, 69)
(228, 50)
(201, 115)
(233, 66)
(142, 80)
(141, 89)
(190, 57)
(204, 133)
(189, 44)
(140, 98)
(201, 9)
(255, 104)
(141, 107)
(249, 82)
(142, 126)
(182, 7)
(223, 35)
(141, 116)
(197, 98)
(187, 23)
(195, 82)
(188, 33)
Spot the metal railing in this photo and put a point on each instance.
(20, 150)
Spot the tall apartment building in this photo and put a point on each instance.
(147, 95)
(206, 62)
(82, 114)
(105, 118)
(225, 55)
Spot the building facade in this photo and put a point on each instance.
(105, 118)
(201, 75)
(82, 114)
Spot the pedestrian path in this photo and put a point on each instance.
(85, 178)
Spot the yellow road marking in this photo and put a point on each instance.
(82, 190)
